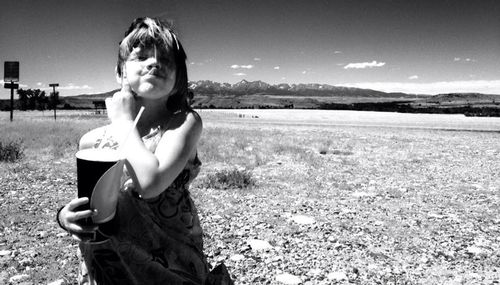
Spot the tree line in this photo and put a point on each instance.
(36, 99)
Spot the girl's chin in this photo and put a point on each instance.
(151, 92)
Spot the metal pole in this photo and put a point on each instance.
(55, 103)
(11, 100)
(54, 85)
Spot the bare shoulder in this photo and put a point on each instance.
(194, 119)
(89, 139)
(189, 121)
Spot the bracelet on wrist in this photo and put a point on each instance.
(57, 219)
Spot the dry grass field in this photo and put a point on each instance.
(340, 197)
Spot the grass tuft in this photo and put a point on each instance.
(230, 179)
(11, 150)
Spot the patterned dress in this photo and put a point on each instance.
(154, 241)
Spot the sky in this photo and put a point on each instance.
(418, 46)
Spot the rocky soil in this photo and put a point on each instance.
(344, 206)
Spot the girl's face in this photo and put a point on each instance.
(150, 72)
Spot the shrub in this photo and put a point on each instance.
(229, 179)
(11, 151)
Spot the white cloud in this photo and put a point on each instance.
(432, 88)
(464, 59)
(276, 67)
(240, 74)
(71, 86)
(308, 70)
(236, 66)
(413, 77)
(358, 65)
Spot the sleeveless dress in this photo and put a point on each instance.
(153, 241)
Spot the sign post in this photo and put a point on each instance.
(54, 99)
(11, 74)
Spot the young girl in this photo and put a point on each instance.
(155, 236)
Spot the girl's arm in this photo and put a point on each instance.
(154, 172)
(89, 139)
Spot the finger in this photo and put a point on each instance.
(76, 237)
(76, 216)
(77, 203)
(75, 228)
(108, 102)
(125, 83)
(81, 227)
(83, 238)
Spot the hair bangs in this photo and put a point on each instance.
(148, 34)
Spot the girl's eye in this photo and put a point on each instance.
(165, 59)
(137, 57)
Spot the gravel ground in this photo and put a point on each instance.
(362, 206)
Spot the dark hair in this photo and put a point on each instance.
(146, 32)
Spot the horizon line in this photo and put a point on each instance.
(486, 87)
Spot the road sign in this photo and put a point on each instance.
(11, 71)
(11, 85)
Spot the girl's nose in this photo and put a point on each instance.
(153, 62)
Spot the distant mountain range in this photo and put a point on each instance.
(259, 94)
(245, 87)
